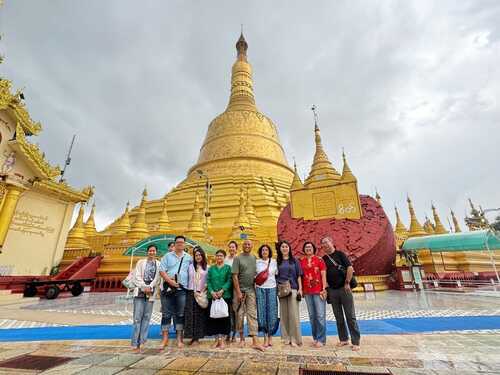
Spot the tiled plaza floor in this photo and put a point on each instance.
(416, 354)
(455, 352)
(114, 308)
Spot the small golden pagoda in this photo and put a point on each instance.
(438, 227)
(416, 228)
(325, 193)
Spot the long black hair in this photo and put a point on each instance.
(279, 258)
(203, 263)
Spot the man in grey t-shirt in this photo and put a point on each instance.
(245, 302)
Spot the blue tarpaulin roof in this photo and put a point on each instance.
(466, 241)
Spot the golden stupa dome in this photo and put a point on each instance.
(242, 140)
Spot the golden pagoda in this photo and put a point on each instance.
(325, 193)
(90, 229)
(241, 176)
(439, 227)
(76, 236)
(455, 222)
(400, 230)
(416, 228)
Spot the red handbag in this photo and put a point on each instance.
(262, 276)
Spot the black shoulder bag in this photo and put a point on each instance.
(354, 283)
(168, 290)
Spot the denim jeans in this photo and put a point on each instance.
(316, 308)
(143, 309)
(172, 307)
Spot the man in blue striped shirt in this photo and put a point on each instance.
(174, 272)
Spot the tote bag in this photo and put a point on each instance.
(219, 309)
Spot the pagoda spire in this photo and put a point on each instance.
(297, 182)
(90, 229)
(76, 236)
(455, 222)
(347, 175)
(439, 228)
(242, 96)
(415, 227)
(322, 172)
(378, 197)
(400, 227)
(139, 229)
(163, 221)
(195, 226)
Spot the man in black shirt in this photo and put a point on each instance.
(339, 273)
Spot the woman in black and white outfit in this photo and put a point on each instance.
(146, 278)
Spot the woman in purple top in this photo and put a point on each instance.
(196, 311)
(289, 270)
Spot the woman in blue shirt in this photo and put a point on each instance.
(289, 272)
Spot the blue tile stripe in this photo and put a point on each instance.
(368, 327)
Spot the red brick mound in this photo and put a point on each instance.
(369, 242)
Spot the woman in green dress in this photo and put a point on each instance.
(219, 284)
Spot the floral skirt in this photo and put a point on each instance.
(195, 318)
(267, 310)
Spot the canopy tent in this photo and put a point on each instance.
(480, 240)
(161, 241)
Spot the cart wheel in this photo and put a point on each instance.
(52, 292)
(76, 289)
(30, 290)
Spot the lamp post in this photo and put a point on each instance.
(491, 231)
(208, 192)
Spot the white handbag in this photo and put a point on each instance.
(219, 309)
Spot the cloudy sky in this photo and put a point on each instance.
(410, 89)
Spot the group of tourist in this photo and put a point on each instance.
(202, 300)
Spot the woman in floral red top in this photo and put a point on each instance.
(314, 289)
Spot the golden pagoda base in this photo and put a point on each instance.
(466, 261)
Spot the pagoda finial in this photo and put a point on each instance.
(439, 228)
(297, 182)
(455, 222)
(242, 47)
(416, 228)
(347, 175)
(90, 229)
(322, 172)
(242, 97)
(76, 236)
(378, 197)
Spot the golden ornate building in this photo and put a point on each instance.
(35, 209)
(238, 186)
(442, 262)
